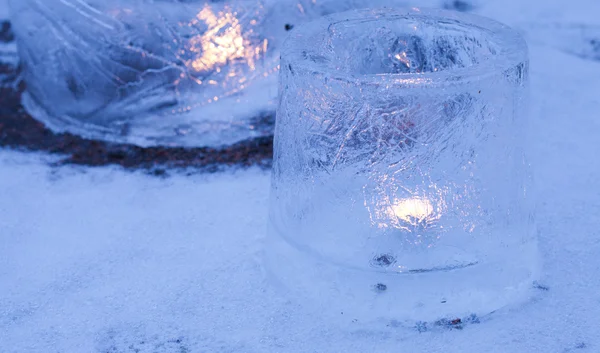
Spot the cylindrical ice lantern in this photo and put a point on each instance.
(400, 187)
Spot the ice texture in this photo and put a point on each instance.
(399, 161)
(163, 72)
(133, 71)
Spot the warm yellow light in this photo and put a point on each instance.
(222, 42)
(414, 210)
(403, 58)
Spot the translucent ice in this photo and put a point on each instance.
(399, 161)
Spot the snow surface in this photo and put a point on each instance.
(4, 10)
(105, 260)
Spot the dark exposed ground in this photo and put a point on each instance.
(18, 130)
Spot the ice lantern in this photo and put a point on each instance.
(400, 187)
(158, 72)
(162, 72)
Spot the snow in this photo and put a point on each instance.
(4, 10)
(106, 260)
(88, 252)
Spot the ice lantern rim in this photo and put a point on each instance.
(512, 48)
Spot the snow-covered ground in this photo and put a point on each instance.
(105, 260)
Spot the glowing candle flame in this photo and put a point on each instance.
(222, 42)
(414, 211)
